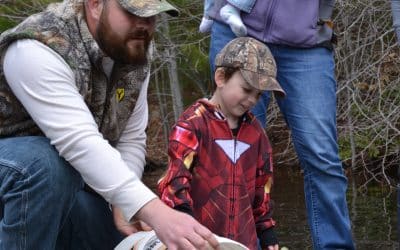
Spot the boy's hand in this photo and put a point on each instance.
(274, 247)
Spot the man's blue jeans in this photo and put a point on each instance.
(309, 108)
(43, 204)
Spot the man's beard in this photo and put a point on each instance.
(116, 46)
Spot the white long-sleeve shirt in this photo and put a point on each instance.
(44, 83)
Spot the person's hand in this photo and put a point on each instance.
(175, 229)
(274, 247)
(125, 227)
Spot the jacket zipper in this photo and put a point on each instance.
(234, 174)
(233, 185)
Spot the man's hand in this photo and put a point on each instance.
(175, 229)
(128, 228)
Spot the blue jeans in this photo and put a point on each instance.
(43, 203)
(309, 108)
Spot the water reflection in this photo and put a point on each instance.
(373, 213)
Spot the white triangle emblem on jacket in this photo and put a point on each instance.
(233, 148)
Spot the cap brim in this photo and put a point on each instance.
(262, 82)
(149, 8)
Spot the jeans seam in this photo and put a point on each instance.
(24, 175)
(314, 211)
(23, 231)
(11, 165)
(25, 201)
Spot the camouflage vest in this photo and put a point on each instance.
(63, 28)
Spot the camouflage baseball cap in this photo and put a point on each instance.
(147, 8)
(255, 61)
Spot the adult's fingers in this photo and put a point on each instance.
(207, 237)
(195, 236)
(182, 244)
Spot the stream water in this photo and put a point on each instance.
(373, 213)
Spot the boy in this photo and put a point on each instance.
(220, 159)
(230, 13)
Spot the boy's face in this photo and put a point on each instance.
(236, 96)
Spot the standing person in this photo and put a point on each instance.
(220, 160)
(299, 34)
(230, 14)
(73, 84)
(396, 24)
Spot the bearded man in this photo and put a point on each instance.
(73, 113)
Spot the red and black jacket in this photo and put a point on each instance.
(223, 180)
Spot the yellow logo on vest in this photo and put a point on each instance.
(120, 94)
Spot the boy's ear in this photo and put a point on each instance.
(219, 77)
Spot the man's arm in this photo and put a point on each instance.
(46, 87)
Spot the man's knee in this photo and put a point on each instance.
(35, 158)
(61, 175)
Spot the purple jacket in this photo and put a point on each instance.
(297, 23)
